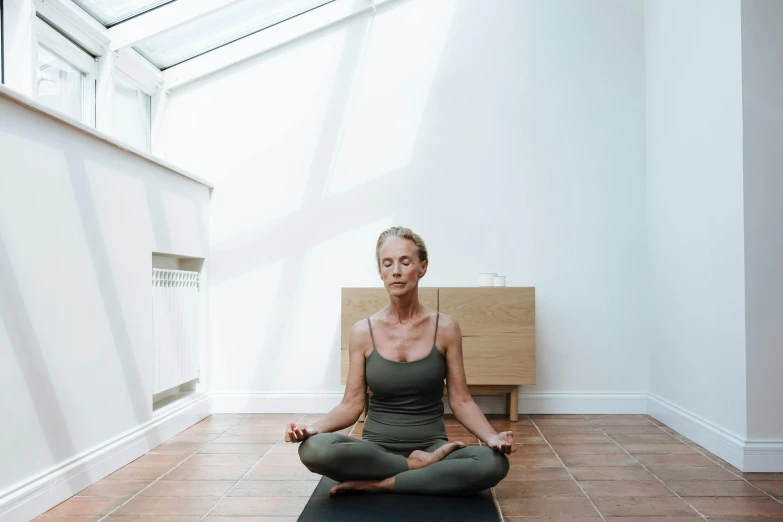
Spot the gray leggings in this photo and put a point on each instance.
(463, 472)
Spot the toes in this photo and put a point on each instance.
(338, 489)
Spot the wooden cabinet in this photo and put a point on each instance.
(498, 332)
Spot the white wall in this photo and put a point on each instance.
(79, 220)
(509, 134)
(695, 209)
(762, 99)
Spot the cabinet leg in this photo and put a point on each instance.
(514, 404)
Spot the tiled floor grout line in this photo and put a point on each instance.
(172, 469)
(711, 460)
(245, 475)
(567, 470)
(702, 515)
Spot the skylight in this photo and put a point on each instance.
(109, 12)
(219, 28)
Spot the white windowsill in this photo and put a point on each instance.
(8, 94)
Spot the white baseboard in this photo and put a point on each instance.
(763, 457)
(288, 402)
(31, 498)
(274, 402)
(583, 403)
(748, 456)
(719, 441)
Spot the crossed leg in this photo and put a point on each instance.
(364, 465)
(465, 471)
(342, 458)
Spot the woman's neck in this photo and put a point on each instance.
(405, 307)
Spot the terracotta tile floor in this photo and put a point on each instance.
(619, 468)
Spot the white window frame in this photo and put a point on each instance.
(93, 37)
(71, 53)
(127, 79)
(138, 70)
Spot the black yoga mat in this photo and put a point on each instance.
(392, 507)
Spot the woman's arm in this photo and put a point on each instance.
(465, 409)
(348, 411)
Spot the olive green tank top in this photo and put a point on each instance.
(406, 393)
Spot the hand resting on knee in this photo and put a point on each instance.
(299, 432)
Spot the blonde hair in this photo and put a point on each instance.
(404, 233)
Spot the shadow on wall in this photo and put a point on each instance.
(34, 355)
(99, 254)
(319, 173)
(27, 351)
(348, 192)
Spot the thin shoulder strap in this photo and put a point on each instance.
(437, 317)
(371, 335)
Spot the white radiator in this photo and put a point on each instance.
(175, 322)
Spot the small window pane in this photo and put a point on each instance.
(110, 12)
(131, 115)
(60, 84)
(219, 28)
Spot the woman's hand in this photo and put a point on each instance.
(298, 432)
(503, 442)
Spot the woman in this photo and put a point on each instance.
(404, 352)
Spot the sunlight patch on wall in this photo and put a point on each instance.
(391, 95)
(347, 259)
(266, 118)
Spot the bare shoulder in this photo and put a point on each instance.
(448, 327)
(360, 330)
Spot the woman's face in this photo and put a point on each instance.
(400, 266)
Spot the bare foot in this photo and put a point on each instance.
(363, 486)
(422, 459)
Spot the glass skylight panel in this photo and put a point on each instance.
(109, 12)
(224, 26)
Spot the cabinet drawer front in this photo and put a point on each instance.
(490, 311)
(498, 332)
(500, 359)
